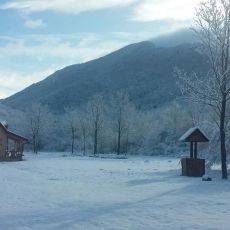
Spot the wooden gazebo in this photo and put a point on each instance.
(193, 166)
(11, 144)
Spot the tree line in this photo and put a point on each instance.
(107, 124)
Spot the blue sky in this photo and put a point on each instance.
(38, 37)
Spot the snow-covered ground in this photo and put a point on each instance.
(53, 192)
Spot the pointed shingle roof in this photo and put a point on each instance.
(194, 135)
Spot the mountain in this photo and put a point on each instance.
(14, 118)
(143, 70)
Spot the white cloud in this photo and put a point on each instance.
(34, 24)
(40, 55)
(154, 10)
(70, 6)
(69, 48)
(11, 81)
(49, 52)
(78, 51)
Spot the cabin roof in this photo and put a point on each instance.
(194, 135)
(12, 135)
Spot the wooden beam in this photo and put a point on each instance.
(191, 150)
(195, 150)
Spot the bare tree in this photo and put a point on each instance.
(213, 29)
(72, 124)
(96, 109)
(38, 118)
(83, 128)
(120, 108)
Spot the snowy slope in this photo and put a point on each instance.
(54, 192)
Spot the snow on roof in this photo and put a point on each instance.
(190, 132)
(4, 123)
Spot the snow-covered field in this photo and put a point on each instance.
(53, 192)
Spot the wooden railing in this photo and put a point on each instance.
(13, 155)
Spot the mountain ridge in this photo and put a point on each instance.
(143, 70)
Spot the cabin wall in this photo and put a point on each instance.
(3, 143)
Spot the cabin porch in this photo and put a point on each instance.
(14, 150)
(11, 145)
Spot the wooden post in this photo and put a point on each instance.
(15, 145)
(7, 144)
(191, 150)
(195, 150)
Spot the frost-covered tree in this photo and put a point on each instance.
(198, 113)
(38, 120)
(96, 111)
(213, 29)
(72, 119)
(120, 111)
(83, 125)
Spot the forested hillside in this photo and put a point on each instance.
(142, 70)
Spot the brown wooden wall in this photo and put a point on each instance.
(3, 142)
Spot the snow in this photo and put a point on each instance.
(188, 133)
(48, 191)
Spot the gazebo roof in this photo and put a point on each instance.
(194, 135)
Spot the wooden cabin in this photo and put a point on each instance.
(11, 144)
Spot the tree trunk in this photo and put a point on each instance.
(34, 144)
(95, 140)
(84, 140)
(72, 146)
(84, 148)
(222, 139)
(127, 143)
(72, 142)
(119, 140)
